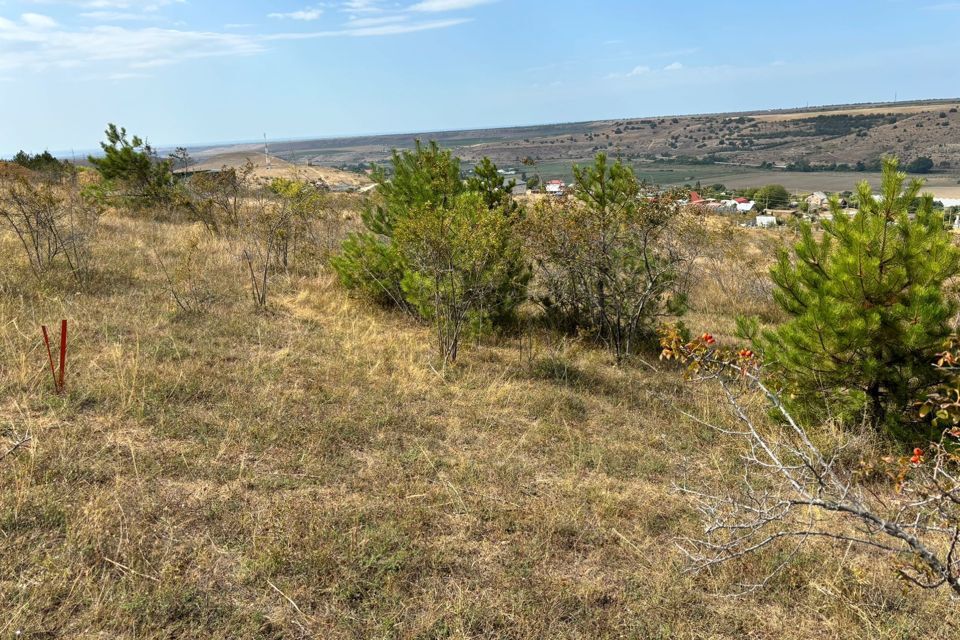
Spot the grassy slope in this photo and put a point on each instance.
(308, 473)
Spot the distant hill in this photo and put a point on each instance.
(215, 159)
(839, 138)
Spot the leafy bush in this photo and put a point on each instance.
(457, 259)
(188, 278)
(772, 196)
(611, 261)
(44, 163)
(216, 198)
(426, 182)
(920, 165)
(370, 265)
(369, 261)
(53, 225)
(263, 231)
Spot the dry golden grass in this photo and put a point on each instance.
(854, 111)
(214, 160)
(307, 472)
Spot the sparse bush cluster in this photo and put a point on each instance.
(612, 260)
(608, 261)
(271, 227)
(444, 249)
(846, 331)
(55, 226)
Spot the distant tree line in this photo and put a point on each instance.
(45, 163)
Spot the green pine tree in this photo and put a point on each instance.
(494, 188)
(133, 164)
(426, 180)
(427, 176)
(866, 305)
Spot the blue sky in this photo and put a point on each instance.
(196, 71)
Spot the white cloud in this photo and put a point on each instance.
(639, 70)
(373, 22)
(673, 66)
(36, 48)
(307, 15)
(38, 21)
(36, 43)
(118, 16)
(143, 5)
(126, 75)
(361, 6)
(436, 6)
(379, 30)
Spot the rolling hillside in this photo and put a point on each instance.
(737, 148)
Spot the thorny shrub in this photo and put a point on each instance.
(906, 506)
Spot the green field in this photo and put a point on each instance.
(669, 174)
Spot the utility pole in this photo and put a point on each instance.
(266, 151)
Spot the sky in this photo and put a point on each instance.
(209, 71)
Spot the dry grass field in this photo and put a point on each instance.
(852, 111)
(214, 160)
(311, 472)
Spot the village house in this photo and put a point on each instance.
(744, 205)
(738, 205)
(818, 200)
(556, 187)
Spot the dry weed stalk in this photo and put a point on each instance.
(790, 485)
(51, 225)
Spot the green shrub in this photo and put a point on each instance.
(370, 265)
(457, 260)
(424, 186)
(612, 261)
(132, 171)
(866, 305)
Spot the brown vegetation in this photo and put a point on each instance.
(308, 472)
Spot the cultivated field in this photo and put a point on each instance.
(744, 141)
(312, 471)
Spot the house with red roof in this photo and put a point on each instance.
(556, 187)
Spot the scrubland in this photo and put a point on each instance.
(313, 470)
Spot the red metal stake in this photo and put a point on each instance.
(59, 380)
(63, 355)
(46, 341)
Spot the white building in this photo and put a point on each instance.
(556, 187)
(766, 221)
